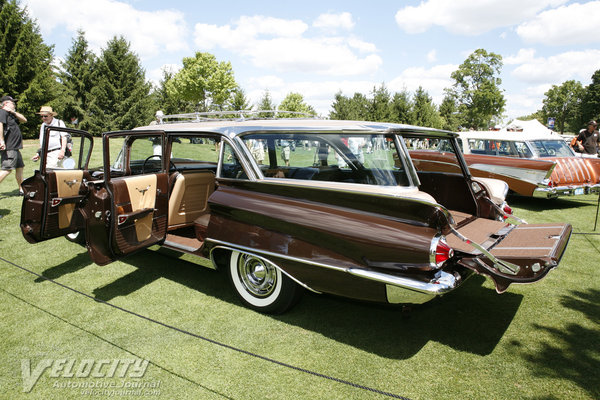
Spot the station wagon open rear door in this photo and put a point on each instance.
(54, 197)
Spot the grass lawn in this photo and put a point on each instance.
(539, 341)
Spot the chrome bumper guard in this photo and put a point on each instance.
(546, 192)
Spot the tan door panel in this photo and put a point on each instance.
(142, 194)
(68, 183)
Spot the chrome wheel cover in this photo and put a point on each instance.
(258, 277)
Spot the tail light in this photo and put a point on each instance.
(443, 252)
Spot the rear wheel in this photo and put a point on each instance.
(260, 285)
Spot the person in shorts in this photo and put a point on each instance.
(11, 140)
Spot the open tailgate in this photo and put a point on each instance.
(510, 253)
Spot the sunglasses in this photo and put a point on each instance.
(45, 116)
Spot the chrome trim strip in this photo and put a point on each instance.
(443, 283)
(269, 253)
(525, 174)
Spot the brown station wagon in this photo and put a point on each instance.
(292, 204)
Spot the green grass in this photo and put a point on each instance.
(539, 341)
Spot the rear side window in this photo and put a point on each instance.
(370, 159)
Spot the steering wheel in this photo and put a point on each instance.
(171, 164)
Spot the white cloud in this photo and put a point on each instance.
(469, 17)
(432, 56)
(578, 65)
(523, 56)
(334, 21)
(282, 45)
(150, 33)
(526, 102)
(566, 25)
(433, 80)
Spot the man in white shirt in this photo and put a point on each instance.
(57, 141)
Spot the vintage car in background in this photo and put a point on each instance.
(531, 159)
(291, 204)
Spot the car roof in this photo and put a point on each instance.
(505, 135)
(232, 127)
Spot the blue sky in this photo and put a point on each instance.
(318, 48)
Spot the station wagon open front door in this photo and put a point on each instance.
(128, 212)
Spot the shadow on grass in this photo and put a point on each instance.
(78, 262)
(152, 265)
(574, 352)
(472, 319)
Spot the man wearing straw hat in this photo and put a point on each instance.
(57, 141)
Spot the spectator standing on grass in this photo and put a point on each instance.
(11, 140)
(57, 141)
(587, 140)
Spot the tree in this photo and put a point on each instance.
(590, 103)
(25, 64)
(380, 105)
(204, 81)
(167, 103)
(424, 111)
(355, 108)
(77, 82)
(239, 101)
(295, 102)
(449, 113)
(120, 98)
(266, 104)
(400, 108)
(477, 90)
(563, 102)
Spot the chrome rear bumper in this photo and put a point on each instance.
(546, 192)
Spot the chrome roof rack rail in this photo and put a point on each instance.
(239, 115)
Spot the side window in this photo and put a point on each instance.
(523, 150)
(230, 164)
(194, 151)
(135, 155)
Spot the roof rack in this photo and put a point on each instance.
(240, 115)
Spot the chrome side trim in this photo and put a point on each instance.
(237, 247)
(442, 283)
(524, 174)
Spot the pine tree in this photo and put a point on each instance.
(120, 97)
(266, 103)
(76, 78)
(424, 111)
(380, 105)
(400, 108)
(239, 100)
(25, 64)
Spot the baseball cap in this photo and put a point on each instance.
(7, 98)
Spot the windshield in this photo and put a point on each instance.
(552, 148)
(371, 159)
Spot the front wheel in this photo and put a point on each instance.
(260, 285)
